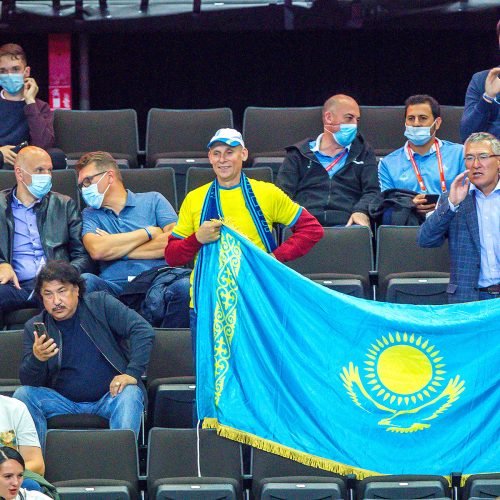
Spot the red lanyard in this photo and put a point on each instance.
(440, 167)
(334, 162)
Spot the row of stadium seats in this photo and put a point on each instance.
(343, 260)
(182, 135)
(184, 464)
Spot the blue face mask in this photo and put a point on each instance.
(418, 135)
(12, 83)
(346, 134)
(91, 195)
(40, 185)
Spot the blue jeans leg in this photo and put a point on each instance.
(176, 299)
(42, 404)
(12, 299)
(192, 325)
(94, 283)
(124, 411)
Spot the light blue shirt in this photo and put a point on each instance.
(395, 170)
(488, 217)
(140, 210)
(28, 255)
(326, 160)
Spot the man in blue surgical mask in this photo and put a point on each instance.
(24, 116)
(335, 175)
(425, 165)
(36, 225)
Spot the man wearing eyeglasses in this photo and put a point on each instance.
(126, 233)
(469, 216)
(36, 225)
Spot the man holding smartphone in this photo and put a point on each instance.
(425, 165)
(24, 116)
(86, 355)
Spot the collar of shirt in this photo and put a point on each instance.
(131, 201)
(480, 193)
(17, 204)
(317, 142)
(2, 95)
(431, 151)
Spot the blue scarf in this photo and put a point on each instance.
(212, 210)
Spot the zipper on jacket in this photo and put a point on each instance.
(107, 359)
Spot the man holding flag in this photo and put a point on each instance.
(249, 206)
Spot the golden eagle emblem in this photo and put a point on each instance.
(404, 377)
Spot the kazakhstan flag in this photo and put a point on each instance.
(345, 384)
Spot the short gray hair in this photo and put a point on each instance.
(484, 137)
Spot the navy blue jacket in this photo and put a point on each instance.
(479, 116)
(462, 230)
(122, 335)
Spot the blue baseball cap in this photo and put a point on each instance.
(227, 136)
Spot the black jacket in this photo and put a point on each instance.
(59, 224)
(122, 335)
(330, 200)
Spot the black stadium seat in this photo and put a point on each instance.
(182, 133)
(482, 486)
(403, 487)
(144, 180)
(174, 472)
(170, 380)
(102, 464)
(113, 131)
(276, 477)
(11, 354)
(341, 260)
(407, 273)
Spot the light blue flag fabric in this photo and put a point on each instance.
(345, 384)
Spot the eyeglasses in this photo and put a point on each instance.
(480, 158)
(88, 180)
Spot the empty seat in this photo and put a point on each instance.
(170, 380)
(482, 486)
(197, 176)
(407, 273)
(63, 181)
(144, 180)
(182, 133)
(11, 354)
(267, 131)
(174, 471)
(102, 461)
(403, 487)
(450, 126)
(114, 131)
(341, 260)
(276, 477)
(383, 127)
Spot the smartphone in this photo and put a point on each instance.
(40, 330)
(18, 148)
(432, 198)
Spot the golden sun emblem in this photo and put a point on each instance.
(405, 377)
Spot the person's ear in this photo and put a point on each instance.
(244, 154)
(437, 125)
(27, 71)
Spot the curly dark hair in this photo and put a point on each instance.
(59, 270)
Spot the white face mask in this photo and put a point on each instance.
(419, 135)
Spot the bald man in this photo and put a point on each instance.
(36, 225)
(335, 175)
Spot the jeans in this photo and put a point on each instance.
(168, 311)
(12, 299)
(124, 411)
(95, 284)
